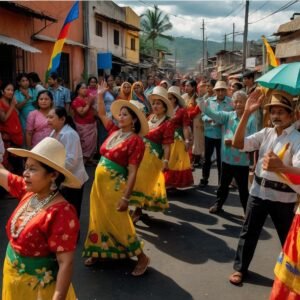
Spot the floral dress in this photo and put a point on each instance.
(111, 233)
(149, 191)
(30, 266)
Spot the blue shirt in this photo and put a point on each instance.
(108, 100)
(212, 128)
(28, 107)
(61, 96)
(230, 120)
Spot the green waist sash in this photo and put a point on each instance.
(155, 148)
(43, 268)
(113, 166)
(178, 133)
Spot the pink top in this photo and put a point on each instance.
(37, 124)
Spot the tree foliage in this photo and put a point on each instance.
(154, 24)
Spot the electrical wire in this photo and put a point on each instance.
(287, 5)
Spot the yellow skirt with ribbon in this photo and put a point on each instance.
(149, 191)
(111, 233)
(30, 278)
(180, 173)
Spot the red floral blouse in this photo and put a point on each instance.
(181, 118)
(54, 229)
(130, 151)
(89, 118)
(163, 134)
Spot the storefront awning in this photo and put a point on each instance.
(11, 41)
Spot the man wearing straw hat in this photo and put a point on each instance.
(213, 130)
(269, 193)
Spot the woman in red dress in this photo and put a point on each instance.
(149, 192)
(179, 174)
(10, 127)
(84, 118)
(43, 229)
(111, 233)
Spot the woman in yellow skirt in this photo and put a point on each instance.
(179, 174)
(149, 192)
(43, 229)
(111, 233)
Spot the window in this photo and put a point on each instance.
(63, 70)
(99, 28)
(116, 37)
(132, 44)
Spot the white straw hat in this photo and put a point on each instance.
(162, 94)
(52, 153)
(175, 91)
(220, 85)
(137, 107)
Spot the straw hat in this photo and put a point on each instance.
(175, 91)
(135, 106)
(220, 85)
(53, 154)
(281, 98)
(161, 94)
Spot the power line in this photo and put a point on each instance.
(287, 5)
(252, 13)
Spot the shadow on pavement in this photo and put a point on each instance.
(257, 279)
(111, 280)
(191, 215)
(178, 240)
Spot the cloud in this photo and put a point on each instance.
(187, 16)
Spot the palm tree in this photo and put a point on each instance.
(154, 24)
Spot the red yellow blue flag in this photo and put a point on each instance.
(59, 44)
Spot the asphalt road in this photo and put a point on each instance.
(191, 253)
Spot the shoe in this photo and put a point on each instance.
(203, 183)
(91, 261)
(140, 270)
(215, 210)
(236, 278)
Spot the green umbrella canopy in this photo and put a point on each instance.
(285, 77)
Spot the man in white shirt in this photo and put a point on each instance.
(269, 193)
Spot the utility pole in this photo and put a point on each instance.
(233, 33)
(225, 37)
(203, 43)
(245, 35)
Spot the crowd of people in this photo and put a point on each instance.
(144, 138)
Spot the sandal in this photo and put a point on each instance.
(236, 278)
(91, 261)
(140, 270)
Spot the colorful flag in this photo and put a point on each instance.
(272, 61)
(59, 44)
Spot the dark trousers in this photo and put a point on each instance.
(240, 174)
(74, 197)
(282, 215)
(210, 145)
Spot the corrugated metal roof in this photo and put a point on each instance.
(291, 26)
(11, 41)
(42, 37)
(288, 48)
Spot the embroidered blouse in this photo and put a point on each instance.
(181, 118)
(53, 229)
(129, 151)
(163, 134)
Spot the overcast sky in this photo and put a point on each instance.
(219, 16)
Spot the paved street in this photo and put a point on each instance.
(191, 253)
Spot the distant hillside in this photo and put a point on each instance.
(189, 51)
